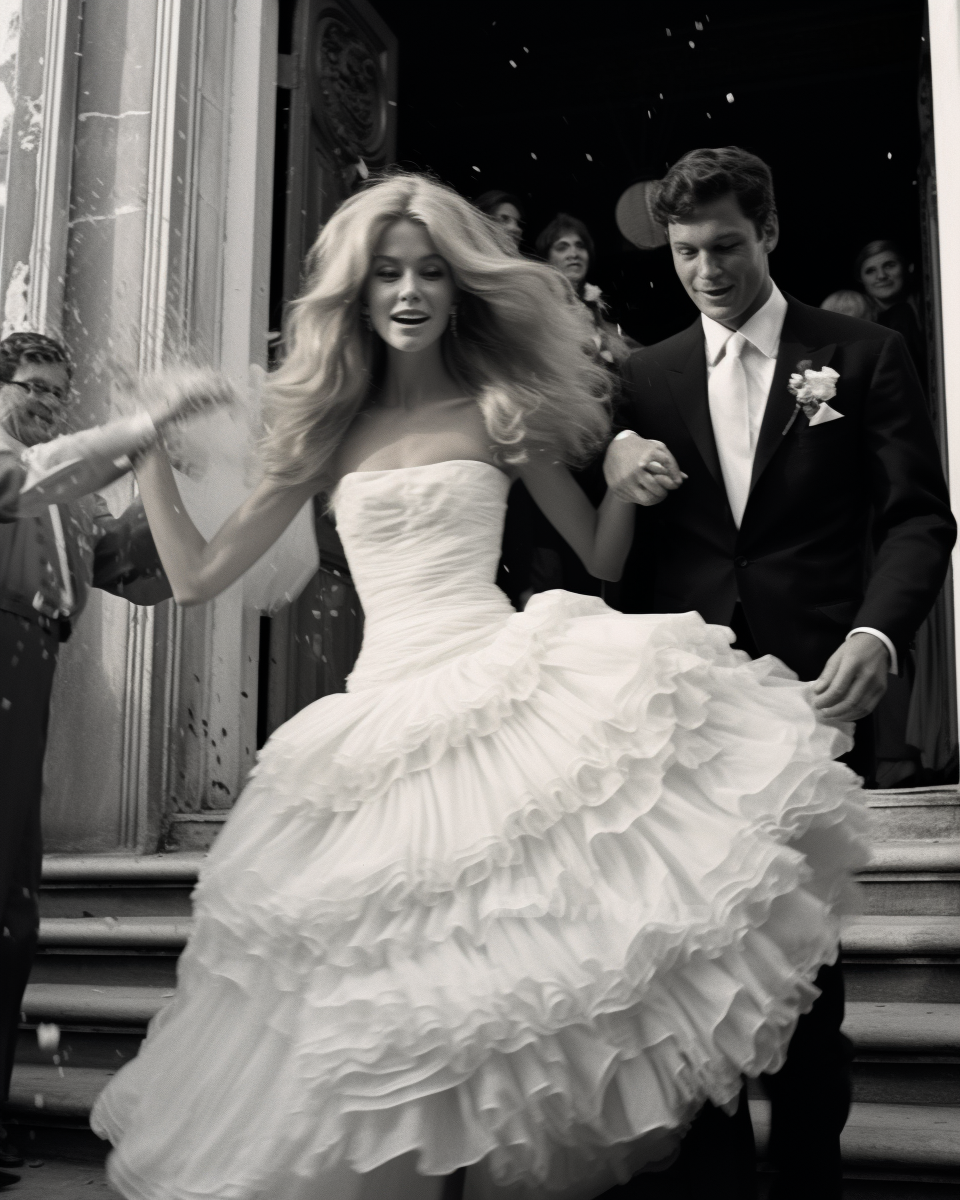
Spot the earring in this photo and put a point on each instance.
(365, 316)
(453, 321)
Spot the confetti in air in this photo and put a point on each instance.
(729, 97)
(512, 63)
(477, 169)
(533, 156)
(698, 25)
(691, 44)
(48, 1036)
(889, 155)
(589, 158)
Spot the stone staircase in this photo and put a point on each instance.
(113, 926)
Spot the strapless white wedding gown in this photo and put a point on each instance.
(529, 893)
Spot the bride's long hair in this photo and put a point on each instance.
(521, 346)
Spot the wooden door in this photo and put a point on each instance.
(336, 123)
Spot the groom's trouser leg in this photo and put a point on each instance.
(717, 1160)
(810, 1100)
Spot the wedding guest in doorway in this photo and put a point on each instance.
(505, 208)
(883, 269)
(567, 245)
(535, 557)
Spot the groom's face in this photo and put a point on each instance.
(722, 260)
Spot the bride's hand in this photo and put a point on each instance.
(639, 470)
(182, 392)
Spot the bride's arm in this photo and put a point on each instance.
(197, 569)
(601, 537)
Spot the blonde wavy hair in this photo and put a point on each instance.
(522, 344)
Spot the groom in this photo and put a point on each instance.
(820, 533)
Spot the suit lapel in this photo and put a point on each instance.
(794, 349)
(687, 374)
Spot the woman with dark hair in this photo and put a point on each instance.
(881, 267)
(506, 210)
(567, 246)
(535, 557)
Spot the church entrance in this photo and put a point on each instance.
(567, 112)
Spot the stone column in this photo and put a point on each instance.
(945, 70)
(138, 225)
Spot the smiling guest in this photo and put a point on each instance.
(567, 246)
(882, 268)
(803, 437)
(49, 559)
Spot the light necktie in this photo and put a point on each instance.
(730, 414)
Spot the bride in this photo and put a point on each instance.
(540, 884)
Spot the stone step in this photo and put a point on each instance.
(864, 936)
(120, 868)
(894, 1138)
(924, 949)
(133, 951)
(100, 1027)
(115, 933)
(48, 1113)
(918, 1029)
(57, 1091)
(912, 878)
(897, 959)
(116, 885)
(898, 814)
(84, 1005)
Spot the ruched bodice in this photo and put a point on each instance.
(423, 544)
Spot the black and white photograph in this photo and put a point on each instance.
(478, 635)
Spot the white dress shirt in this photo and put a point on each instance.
(736, 431)
(761, 342)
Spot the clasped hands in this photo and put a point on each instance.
(643, 471)
(640, 470)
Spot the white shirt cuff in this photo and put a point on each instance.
(894, 665)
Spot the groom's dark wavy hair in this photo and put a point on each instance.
(705, 175)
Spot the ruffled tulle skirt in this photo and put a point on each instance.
(525, 911)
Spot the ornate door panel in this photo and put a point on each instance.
(336, 104)
(342, 115)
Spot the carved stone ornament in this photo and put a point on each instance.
(347, 91)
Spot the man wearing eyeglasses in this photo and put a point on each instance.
(51, 554)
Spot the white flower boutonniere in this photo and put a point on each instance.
(813, 389)
(591, 293)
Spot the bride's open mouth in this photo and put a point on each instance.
(409, 318)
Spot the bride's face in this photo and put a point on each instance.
(410, 290)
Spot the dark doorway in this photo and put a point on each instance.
(607, 94)
(568, 106)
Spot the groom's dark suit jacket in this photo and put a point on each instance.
(848, 522)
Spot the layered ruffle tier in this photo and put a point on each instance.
(524, 911)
